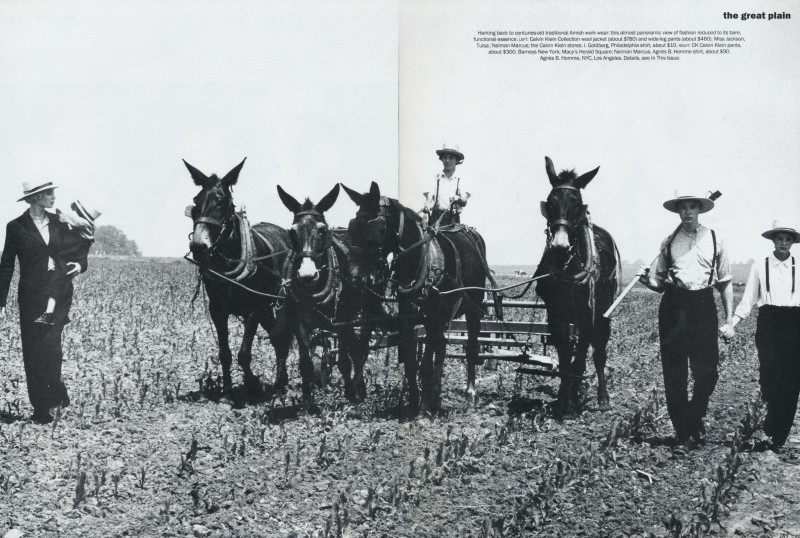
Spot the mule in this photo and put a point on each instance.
(318, 297)
(425, 266)
(587, 264)
(250, 259)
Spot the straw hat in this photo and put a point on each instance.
(452, 150)
(88, 214)
(29, 188)
(782, 226)
(706, 204)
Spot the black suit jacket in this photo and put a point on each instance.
(24, 242)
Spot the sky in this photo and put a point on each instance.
(106, 98)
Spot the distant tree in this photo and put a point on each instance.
(109, 240)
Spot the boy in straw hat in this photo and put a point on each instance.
(445, 203)
(692, 262)
(771, 285)
(75, 246)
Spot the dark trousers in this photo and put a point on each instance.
(57, 282)
(778, 343)
(687, 326)
(42, 357)
(447, 217)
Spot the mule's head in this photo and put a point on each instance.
(309, 235)
(564, 209)
(212, 211)
(369, 242)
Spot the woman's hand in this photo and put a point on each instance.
(76, 268)
(727, 331)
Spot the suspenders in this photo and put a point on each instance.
(713, 258)
(766, 271)
(668, 256)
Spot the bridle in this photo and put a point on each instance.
(582, 224)
(562, 219)
(377, 230)
(327, 242)
(226, 225)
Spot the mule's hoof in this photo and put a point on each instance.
(472, 395)
(279, 389)
(604, 405)
(252, 384)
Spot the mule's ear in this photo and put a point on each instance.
(233, 176)
(374, 190)
(200, 179)
(551, 171)
(584, 180)
(328, 200)
(543, 208)
(287, 199)
(354, 196)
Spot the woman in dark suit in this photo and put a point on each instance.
(33, 238)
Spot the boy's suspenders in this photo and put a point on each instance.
(766, 273)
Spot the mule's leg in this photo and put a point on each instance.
(280, 336)
(245, 355)
(432, 367)
(559, 330)
(305, 365)
(345, 364)
(219, 316)
(579, 369)
(602, 333)
(472, 351)
(426, 371)
(407, 352)
(359, 353)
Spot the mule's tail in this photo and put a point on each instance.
(496, 295)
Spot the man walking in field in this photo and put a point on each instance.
(693, 260)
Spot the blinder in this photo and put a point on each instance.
(369, 236)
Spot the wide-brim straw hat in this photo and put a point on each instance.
(453, 150)
(29, 188)
(706, 204)
(87, 213)
(782, 226)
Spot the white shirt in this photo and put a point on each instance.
(449, 189)
(691, 260)
(44, 230)
(780, 286)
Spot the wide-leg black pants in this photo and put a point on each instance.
(778, 343)
(687, 326)
(42, 357)
(41, 345)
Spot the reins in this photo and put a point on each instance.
(230, 281)
(478, 288)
